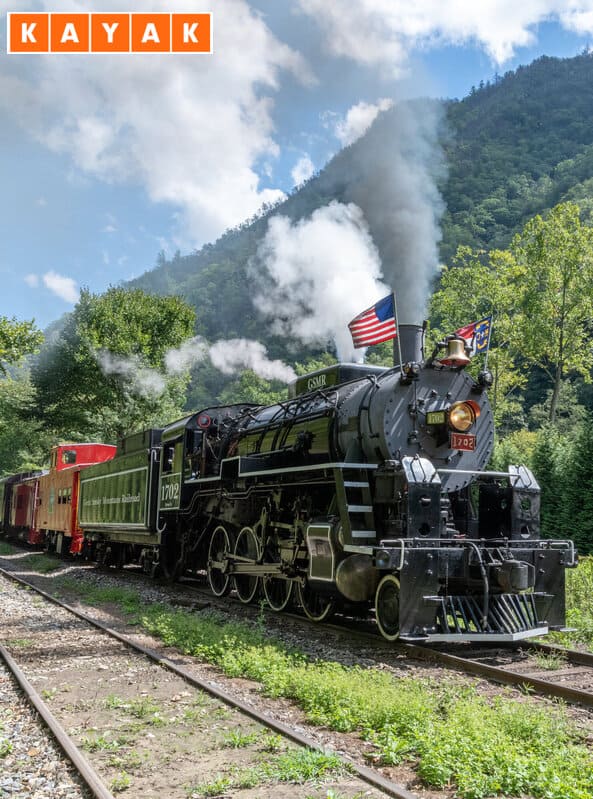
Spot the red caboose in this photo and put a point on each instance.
(21, 506)
(56, 517)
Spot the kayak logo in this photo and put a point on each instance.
(134, 32)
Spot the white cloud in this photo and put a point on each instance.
(41, 202)
(302, 170)
(190, 130)
(32, 280)
(383, 32)
(109, 229)
(358, 120)
(64, 287)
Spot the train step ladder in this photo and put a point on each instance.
(354, 497)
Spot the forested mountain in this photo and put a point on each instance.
(514, 147)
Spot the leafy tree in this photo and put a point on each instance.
(556, 260)
(540, 292)
(24, 442)
(17, 339)
(572, 493)
(249, 387)
(104, 375)
(481, 284)
(551, 454)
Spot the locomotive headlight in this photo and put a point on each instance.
(462, 415)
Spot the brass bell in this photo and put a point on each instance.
(455, 355)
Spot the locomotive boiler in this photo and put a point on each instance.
(365, 490)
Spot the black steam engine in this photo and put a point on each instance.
(365, 489)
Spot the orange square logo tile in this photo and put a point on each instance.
(110, 33)
(69, 33)
(134, 32)
(151, 33)
(191, 33)
(28, 33)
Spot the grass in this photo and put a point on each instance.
(295, 766)
(121, 783)
(101, 743)
(551, 661)
(6, 548)
(454, 737)
(237, 739)
(144, 708)
(129, 601)
(579, 606)
(5, 747)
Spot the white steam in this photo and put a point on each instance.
(237, 354)
(321, 272)
(359, 119)
(139, 379)
(229, 357)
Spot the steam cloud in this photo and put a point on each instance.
(394, 182)
(321, 272)
(230, 357)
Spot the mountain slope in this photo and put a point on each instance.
(512, 148)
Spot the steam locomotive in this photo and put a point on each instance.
(365, 490)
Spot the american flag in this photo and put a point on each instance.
(374, 325)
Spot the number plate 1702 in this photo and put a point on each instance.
(463, 441)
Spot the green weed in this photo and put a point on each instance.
(551, 661)
(5, 747)
(432, 725)
(143, 708)
(296, 766)
(19, 643)
(121, 783)
(215, 787)
(130, 760)
(101, 743)
(237, 739)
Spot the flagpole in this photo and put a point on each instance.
(399, 346)
(489, 334)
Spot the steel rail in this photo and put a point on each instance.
(74, 755)
(466, 664)
(505, 676)
(368, 775)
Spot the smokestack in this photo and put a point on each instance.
(411, 344)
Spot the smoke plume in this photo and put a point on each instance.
(229, 357)
(319, 273)
(393, 179)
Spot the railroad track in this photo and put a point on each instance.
(530, 666)
(539, 668)
(368, 776)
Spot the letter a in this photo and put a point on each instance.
(69, 34)
(189, 32)
(150, 34)
(27, 32)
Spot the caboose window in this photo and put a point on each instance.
(69, 456)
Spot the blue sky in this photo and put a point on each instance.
(105, 162)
